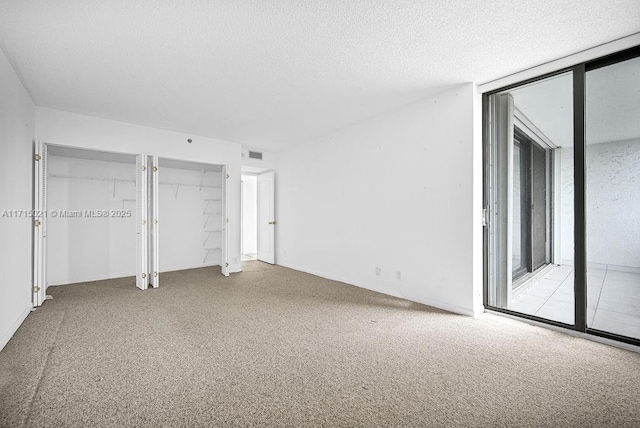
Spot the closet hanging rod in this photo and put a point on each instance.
(108, 180)
(166, 183)
(124, 180)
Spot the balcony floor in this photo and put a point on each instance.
(613, 299)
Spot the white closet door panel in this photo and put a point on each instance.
(39, 276)
(224, 262)
(155, 225)
(142, 268)
(266, 217)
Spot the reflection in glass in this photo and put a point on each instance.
(613, 198)
(531, 199)
(519, 267)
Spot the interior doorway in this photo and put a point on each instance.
(258, 215)
(249, 192)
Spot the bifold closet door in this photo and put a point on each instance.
(142, 268)
(39, 224)
(154, 229)
(224, 262)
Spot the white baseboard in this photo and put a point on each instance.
(479, 310)
(14, 327)
(429, 302)
(115, 275)
(186, 267)
(125, 275)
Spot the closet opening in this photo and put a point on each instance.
(191, 217)
(97, 216)
(88, 224)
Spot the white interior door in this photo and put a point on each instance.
(224, 262)
(154, 218)
(266, 217)
(142, 261)
(39, 219)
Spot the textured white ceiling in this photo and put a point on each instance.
(269, 74)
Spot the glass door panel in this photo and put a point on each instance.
(612, 104)
(531, 199)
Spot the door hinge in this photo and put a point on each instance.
(36, 289)
(484, 218)
(37, 157)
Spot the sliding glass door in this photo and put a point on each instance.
(530, 138)
(612, 105)
(562, 197)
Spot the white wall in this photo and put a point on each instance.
(183, 220)
(395, 192)
(250, 214)
(613, 205)
(70, 129)
(83, 248)
(16, 154)
(268, 161)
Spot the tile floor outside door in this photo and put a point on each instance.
(613, 299)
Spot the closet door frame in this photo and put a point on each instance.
(154, 217)
(40, 213)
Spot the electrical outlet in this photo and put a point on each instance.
(399, 276)
(378, 271)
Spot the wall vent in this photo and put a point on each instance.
(255, 155)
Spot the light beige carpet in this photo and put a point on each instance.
(276, 347)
